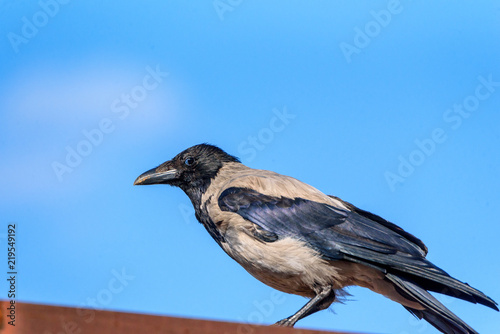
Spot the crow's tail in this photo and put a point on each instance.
(435, 312)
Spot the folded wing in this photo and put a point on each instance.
(353, 235)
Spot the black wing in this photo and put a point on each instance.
(384, 222)
(339, 234)
(332, 231)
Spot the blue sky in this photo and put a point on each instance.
(392, 106)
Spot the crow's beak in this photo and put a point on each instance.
(156, 176)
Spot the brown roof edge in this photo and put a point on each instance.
(45, 319)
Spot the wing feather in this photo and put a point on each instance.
(325, 227)
(346, 234)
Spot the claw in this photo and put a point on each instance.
(287, 322)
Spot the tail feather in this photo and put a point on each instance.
(443, 325)
(434, 279)
(435, 312)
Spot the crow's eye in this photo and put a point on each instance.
(189, 161)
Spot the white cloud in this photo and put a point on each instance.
(53, 93)
(46, 109)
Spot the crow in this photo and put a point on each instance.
(294, 238)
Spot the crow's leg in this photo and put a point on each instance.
(320, 302)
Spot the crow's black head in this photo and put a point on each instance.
(190, 169)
